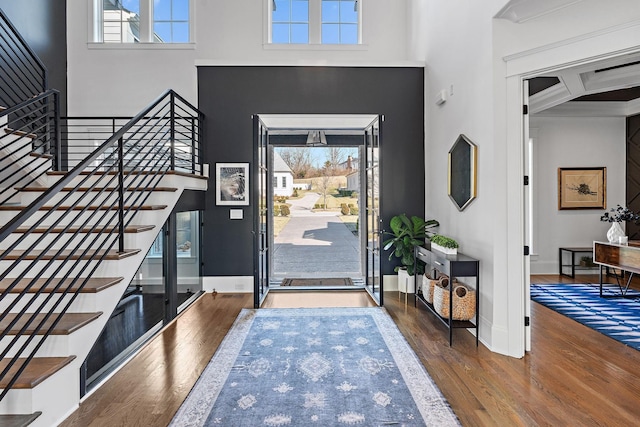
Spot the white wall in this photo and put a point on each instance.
(573, 142)
(484, 60)
(114, 80)
(454, 61)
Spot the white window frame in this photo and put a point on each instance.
(315, 29)
(96, 28)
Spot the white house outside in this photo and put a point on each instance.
(282, 177)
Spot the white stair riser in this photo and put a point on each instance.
(61, 345)
(88, 217)
(84, 302)
(82, 240)
(92, 198)
(55, 396)
(73, 268)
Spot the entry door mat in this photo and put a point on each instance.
(318, 282)
(314, 367)
(618, 318)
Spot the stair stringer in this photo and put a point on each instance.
(59, 395)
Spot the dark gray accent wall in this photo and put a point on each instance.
(43, 24)
(229, 96)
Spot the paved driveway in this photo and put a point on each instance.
(315, 244)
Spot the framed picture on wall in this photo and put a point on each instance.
(232, 183)
(582, 188)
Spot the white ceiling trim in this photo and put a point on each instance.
(317, 121)
(519, 11)
(587, 109)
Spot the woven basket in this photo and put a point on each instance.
(428, 284)
(464, 301)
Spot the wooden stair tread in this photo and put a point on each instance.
(93, 285)
(69, 323)
(41, 155)
(98, 229)
(20, 133)
(135, 172)
(79, 208)
(18, 420)
(73, 255)
(38, 370)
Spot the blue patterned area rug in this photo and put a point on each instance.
(618, 318)
(315, 367)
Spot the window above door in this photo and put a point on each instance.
(314, 22)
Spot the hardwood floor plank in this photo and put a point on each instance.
(574, 375)
(152, 386)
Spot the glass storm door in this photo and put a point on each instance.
(260, 214)
(373, 221)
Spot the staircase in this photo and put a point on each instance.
(74, 235)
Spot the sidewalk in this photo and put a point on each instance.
(315, 244)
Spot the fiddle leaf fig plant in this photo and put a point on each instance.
(405, 235)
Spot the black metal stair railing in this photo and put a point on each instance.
(83, 221)
(29, 143)
(22, 73)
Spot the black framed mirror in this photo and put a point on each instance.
(462, 172)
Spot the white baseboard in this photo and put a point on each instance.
(228, 284)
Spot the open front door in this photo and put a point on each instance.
(260, 213)
(373, 221)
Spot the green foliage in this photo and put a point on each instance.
(295, 192)
(343, 192)
(406, 234)
(344, 209)
(445, 242)
(318, 206)
(280, 199)
(284, 210)
(276, 210)
(354, 210)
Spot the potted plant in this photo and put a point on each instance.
(586, 261)
(616, 216)
(444, 244)
(405, 235)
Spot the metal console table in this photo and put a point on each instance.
(458, 265)
(572, 252)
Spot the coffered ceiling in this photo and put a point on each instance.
(609, 88)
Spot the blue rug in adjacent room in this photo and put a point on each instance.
(314, 367)
(618, 318)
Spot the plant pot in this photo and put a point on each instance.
(406, 283)
(442, 249)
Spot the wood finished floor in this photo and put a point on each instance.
(574, 377)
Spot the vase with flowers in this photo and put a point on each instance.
(615, 216)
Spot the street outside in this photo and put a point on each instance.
(315, 243)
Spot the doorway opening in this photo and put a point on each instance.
(316, 217)
(318, 227)
(556, 126)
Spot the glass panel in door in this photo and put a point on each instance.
(373, 279)
(261, 211)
